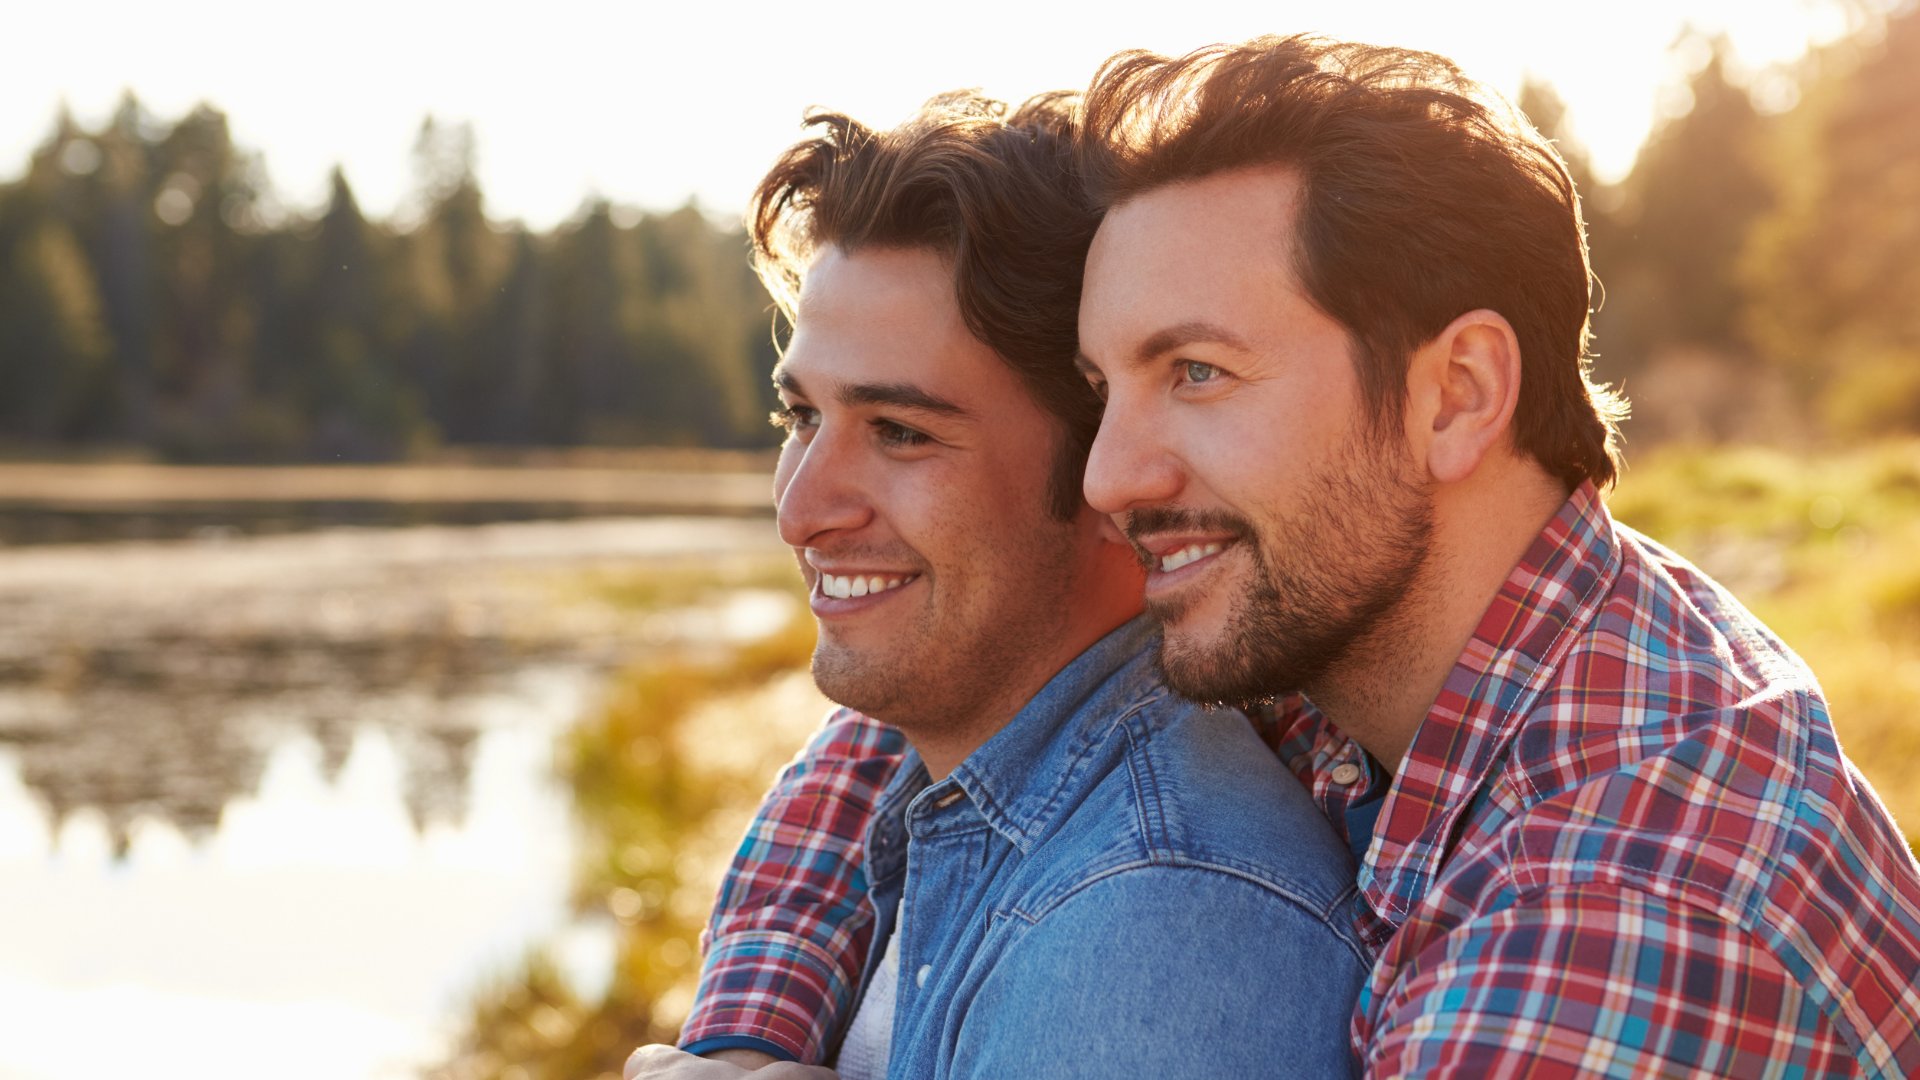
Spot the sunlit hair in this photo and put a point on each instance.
(1424, 196)
(994, 192)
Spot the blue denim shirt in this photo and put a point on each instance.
(1118, 883)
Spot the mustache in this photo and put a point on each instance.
(1149, 520)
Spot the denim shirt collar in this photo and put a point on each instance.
(1022, 780)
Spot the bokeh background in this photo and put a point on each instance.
(392, 634)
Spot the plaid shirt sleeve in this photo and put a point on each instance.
(1600, 980)
(790, 930)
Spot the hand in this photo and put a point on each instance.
(658, 1062)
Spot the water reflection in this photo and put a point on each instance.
(152, 678)
(275, 804)
(315, 931)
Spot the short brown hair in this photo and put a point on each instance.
(1423, 197)
(996, 195)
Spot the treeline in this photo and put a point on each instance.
(1760, 271)
(1761, 267)
(152, 297)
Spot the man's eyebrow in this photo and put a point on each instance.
(900, 396)
(1180, 335)
(897, 395)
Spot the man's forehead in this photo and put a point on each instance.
(1245, 216)
(1207, 260)
(881, 326)
(871, 282)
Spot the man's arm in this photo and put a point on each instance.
(1169, 972)
(1599, 980)
(791, 926)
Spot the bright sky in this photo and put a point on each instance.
(650, 103)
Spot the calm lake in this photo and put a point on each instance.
(276, 786)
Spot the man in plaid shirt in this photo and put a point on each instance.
(1337, 310)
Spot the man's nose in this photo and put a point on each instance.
(817, 490)
(1129, 465)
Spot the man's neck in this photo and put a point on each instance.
(1101, 593)
(1382, 692)
(944, 743)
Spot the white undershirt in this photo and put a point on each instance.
(869, 1042)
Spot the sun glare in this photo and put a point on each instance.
(654, 107)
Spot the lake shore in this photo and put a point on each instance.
(652, 482)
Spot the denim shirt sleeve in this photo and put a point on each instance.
(1169, 971)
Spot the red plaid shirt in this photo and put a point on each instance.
(1624, 843)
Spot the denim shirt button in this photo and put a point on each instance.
(920, 977)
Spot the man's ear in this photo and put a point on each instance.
(1462, 387)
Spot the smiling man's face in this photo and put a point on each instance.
(913, 490)
(1278, 530)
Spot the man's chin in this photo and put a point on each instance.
(1189, 664)
(1188, 614)
(853, 678)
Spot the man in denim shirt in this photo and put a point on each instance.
(1113, 886)
(1076, 873)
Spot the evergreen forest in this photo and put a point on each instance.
(1757, 271)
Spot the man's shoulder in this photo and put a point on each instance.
(1672, 683)
(1682, 750)
(1677, 712)
(1702, 817)
(1195, 789)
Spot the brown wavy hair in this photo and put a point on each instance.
(993, 191)
(1423, 197)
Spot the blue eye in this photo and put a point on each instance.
(1197, 372)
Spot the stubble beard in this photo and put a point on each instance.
(858, 679)
(954, 659)
(1337, 572)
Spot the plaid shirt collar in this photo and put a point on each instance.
(1554, 591)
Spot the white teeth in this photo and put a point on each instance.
(1174, 560)
(845, 588)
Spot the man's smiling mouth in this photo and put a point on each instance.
(1174, 560)
(847, 586)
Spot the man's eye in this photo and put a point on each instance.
(1194, 371)
(790, 418)
(898, 435)
(1099, 387)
